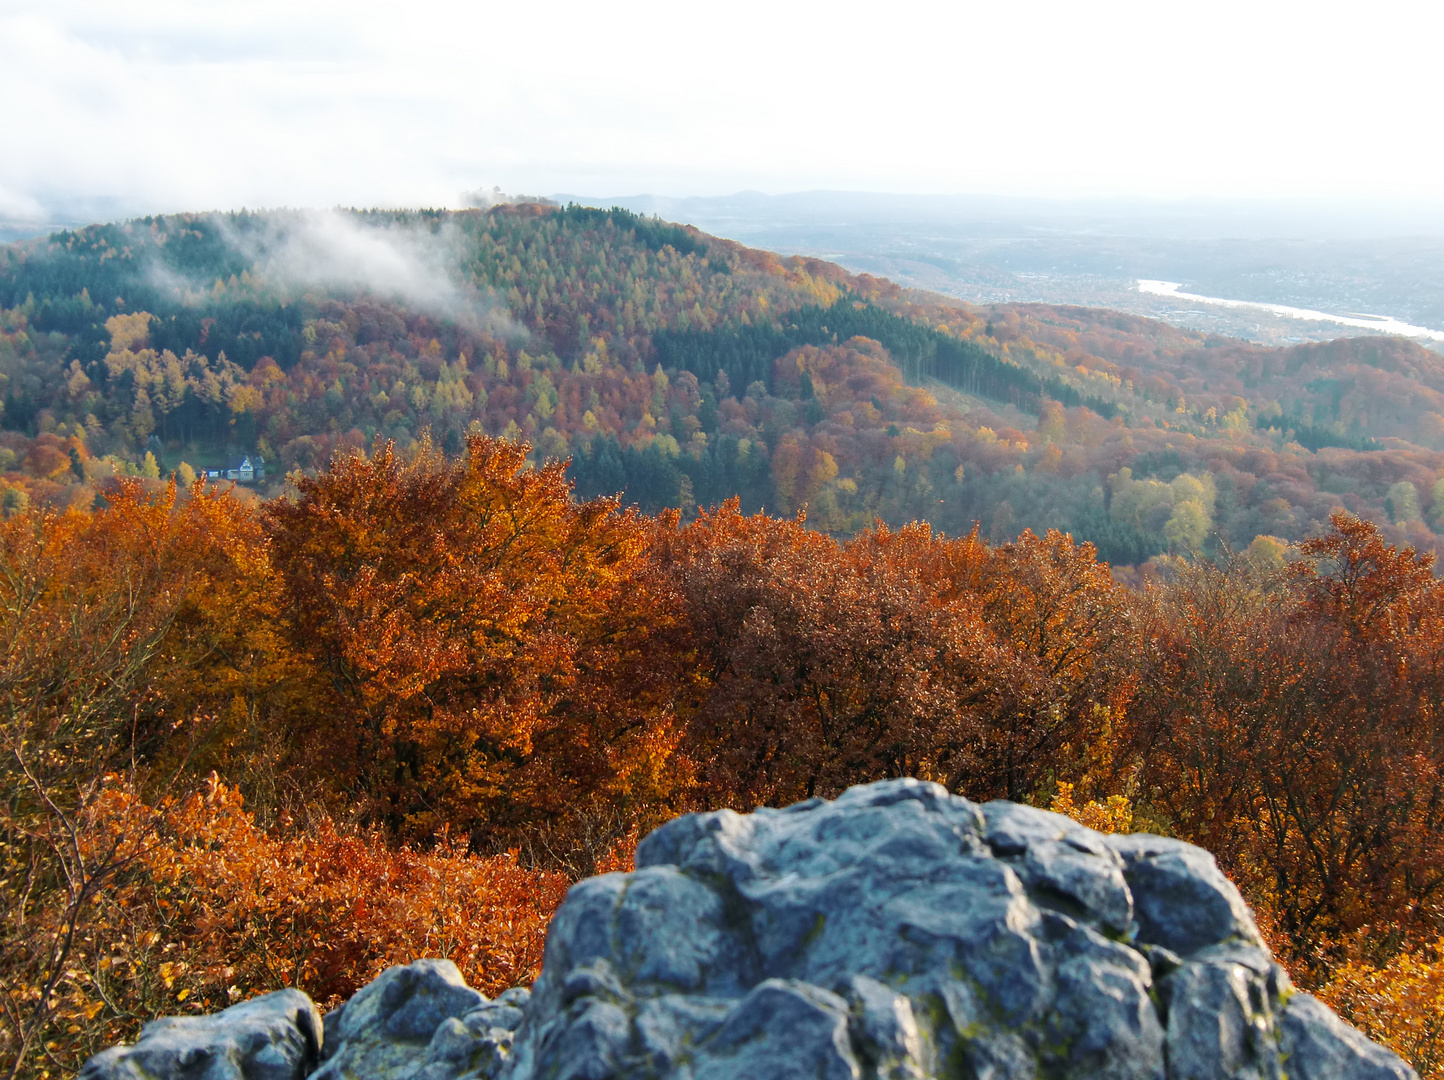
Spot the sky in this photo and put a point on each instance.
(165, 105)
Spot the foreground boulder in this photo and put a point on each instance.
(271, 1037)
(901, 932)
(897, 933)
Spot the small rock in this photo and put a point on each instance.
(1103, 1025)
(887, 1030)
(385, 1030)
(272, 1037)
(1056, 855)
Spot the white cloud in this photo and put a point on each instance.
(175, 104)
(417, 263)
(17, 207)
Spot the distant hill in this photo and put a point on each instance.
(679, 368)
(1336, 255)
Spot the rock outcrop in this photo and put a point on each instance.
(897, 933)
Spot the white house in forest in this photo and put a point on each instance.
(246, 469)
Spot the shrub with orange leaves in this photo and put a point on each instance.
(1400, 1004)
(1069, 632)
(213, 909)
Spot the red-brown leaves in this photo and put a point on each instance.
(103, 625)
(1366, 586)
(1290, 724)
(825, 665)
(896, 654)
(488, 640)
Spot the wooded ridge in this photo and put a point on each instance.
(681, 369)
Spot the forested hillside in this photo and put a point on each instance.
(682, 369)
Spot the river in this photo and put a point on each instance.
(1382, 323)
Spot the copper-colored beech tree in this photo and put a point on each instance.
(823, 664)
(898, 653)
(495, 650)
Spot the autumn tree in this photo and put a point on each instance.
(1287, 721)
(1070, 629)
(492, 647)
(898, 653)
(89, 606)
(820, 665)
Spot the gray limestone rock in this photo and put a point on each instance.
(389, 1027)
(1221, 1020)
(474, 1045)
(1317, 1045)
(784, 1029)
(1181, 899)
(886, 1030)
(271, 1037)
(902, 933)
(895, 933)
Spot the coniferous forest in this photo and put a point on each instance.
(573, 520)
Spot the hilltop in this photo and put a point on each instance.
(679, 368)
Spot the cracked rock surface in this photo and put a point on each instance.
(902, 932)
(896, 933)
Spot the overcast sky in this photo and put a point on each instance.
(200, 104)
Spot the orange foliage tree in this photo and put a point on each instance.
(1068, 631)
(495, 651)
(898, 653)
(823, 665)
(1288, 723)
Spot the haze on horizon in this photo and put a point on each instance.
(165, 105)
